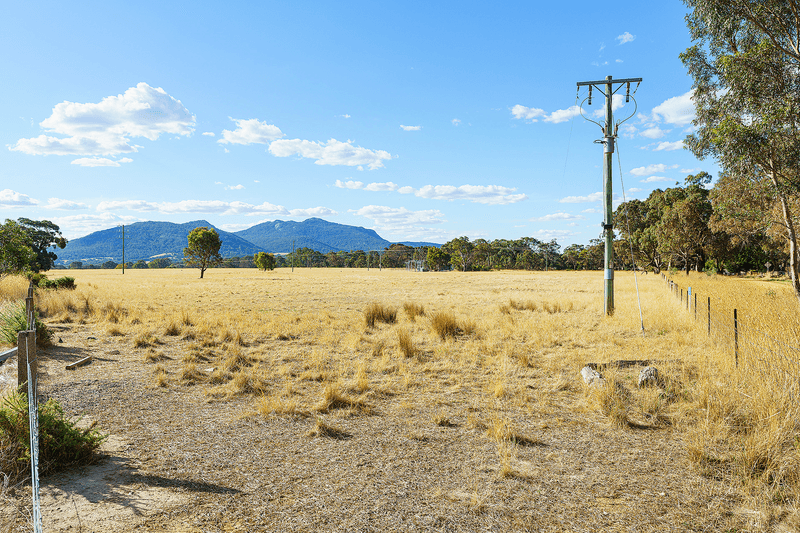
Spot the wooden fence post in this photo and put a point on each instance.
(709, 316)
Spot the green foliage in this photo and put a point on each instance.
(16, 254)
(109, 265)
(264, 261)
(203, 249)
(43, 234)
(160, 262)
(61, 442)
(13, 320)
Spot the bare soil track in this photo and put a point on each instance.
(176, 461)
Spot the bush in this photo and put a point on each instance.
(376, 312)
(61, 442)
(13, 320)
(40, 280)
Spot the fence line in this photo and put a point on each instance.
(772, 358)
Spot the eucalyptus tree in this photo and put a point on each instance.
(745, 66)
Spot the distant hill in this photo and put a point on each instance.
(314, 233)
(147, 240)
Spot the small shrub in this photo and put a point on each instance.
(444, 324)
(406, 343)
(13, 320)
(376, 312)
(413, 310)
(61, 442)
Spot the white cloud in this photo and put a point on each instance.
(481, 194)
(344, 116)
(209, 133)
(635, 189)
(653, 133)
(668, 146)
(573, 224)
(75, 226)
(618, 61)
(557, 216)
(332, 152)
(256, 181)
(405, 190)
(653, 179)
(250, 131)
(350, 184)
(388, 186)
(397, 218)
(195, 206)
(550, 234)
(625, 38)
(592, 210)
(100, 162)
(678, 110)
(563, 115)
(106, 128)
(9, 198)
(594, 197)
(234, 187)
(58, 203)
(527, 113)
(411, 128)
(652, 169)
(455, 122)
(690, 170)
(313, 212)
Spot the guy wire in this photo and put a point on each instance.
(628, 226)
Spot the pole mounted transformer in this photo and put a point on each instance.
(610, 130)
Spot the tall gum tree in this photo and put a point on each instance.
(745, 66)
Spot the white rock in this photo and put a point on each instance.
(648, 376)
(591, 376)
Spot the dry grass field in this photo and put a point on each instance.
(353, 400)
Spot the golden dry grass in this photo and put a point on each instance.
(292, 341)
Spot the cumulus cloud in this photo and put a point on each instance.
(653, 133)
(678, 110)
(209, 133)
(455, 122)
(411, 128)
(405, 190)
(234, 187)
(550, 234)
(344, 116)
(75, 226)
(9, 198)
(399, 217)
(592, 210)
(58, 203)
(313, 212)
(557, 216)
(593, 197)
(332, 152)
(668, 146)
(105, 128)
(250, 131)
(625, 38)
(652, 169)
(563, 115)
(481, 194)
(527, 113)
(100, 162)
(388, 186)
(350, 184)
(690, 170)
(653, 179)
(635, 189)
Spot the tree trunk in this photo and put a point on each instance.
(201, 272)
(791, 237)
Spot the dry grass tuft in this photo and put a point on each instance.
(248, 382)
(145, 339)
(173, 329)
(376, 312)
(276, 405)
(190, 375)
(333, 398)
(445, 324)
(522, 306)
(321, 429)
(161, 379)
(502, 431)
(413, 310)
(152, 356)
(441, 420)
(612, 399)
(235, 360)
(115, 331)
(406, 343)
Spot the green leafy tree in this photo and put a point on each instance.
(43, 234)
(16, 254)
(76, 265)
(437, 258)
(461, 252)
(264, 261)
(160, 262)
(744, 67)
(109, 264)
(203, 249)
(139, 264)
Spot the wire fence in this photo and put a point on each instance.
(776, 360)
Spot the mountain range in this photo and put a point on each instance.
(147, 240)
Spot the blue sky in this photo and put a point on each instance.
(422, 120)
